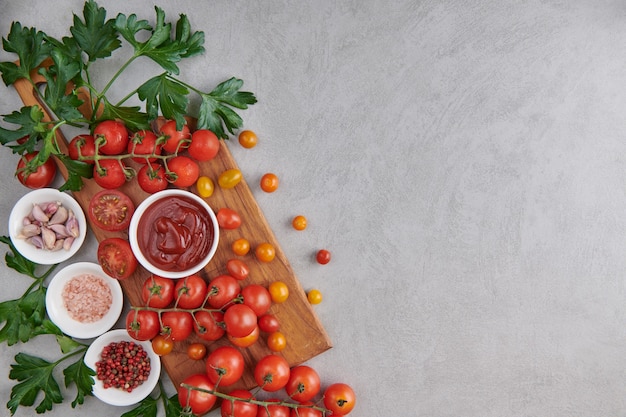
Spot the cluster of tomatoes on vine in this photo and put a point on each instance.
(111, 145)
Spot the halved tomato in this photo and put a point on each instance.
(111, 210)
(116, 258)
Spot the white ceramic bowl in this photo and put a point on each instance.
(58, 313)
(24, 207)
(134, 226)
(116, 396)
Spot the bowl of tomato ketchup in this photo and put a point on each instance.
(173, 233)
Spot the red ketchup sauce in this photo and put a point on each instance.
(175, 233)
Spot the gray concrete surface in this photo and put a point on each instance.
(465, 164)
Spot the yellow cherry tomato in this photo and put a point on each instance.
(299, 222)
(278, 291)
(248, 139)
(276, 341)
(314, 296)
(205, 186)
(265, 252)
(269, 182)
(241, 246)
(229, 178)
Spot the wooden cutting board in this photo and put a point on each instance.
(305, 334)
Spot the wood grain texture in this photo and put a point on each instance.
(305, 334)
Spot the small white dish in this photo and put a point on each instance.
(115, 396)
(59, 314)
(168, 196)
(24, 207)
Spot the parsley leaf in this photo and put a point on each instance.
(35, 376)
(29, 45)
(96, 36)
(80, 375)
(214, 113)
(160, 47)
(28, 118)
(76, 171)
(134, 119)
(146, 408)
(57, 77)
(168, 95)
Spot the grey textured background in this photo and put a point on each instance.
(465, 164)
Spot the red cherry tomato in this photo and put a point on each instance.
(177, 324)
(190, 292)
(157, 292)
(144, 142)
(116, 258)
(225, 364)
(85, 144)
(238, 408)
(228, 218)
(199, 402)
(257, 297)
(237, 269)
(222, 290)
(303, 384)
(115, 137)
(271, 373)
(186, 171)
(207, 325)
(240, 320)
(142, 324)
(273, 410)
(151, 178)
(41, 177)
(110, 175)
(110, 210)
(204, 145)
(323, 256)
(306, 411)
(268, 323)
(176, 138)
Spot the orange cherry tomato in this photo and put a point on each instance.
(248, 139)
(269, 182)
(245, 341)
(278, 291)
(162, 345)
(196, 351)
(276, 341)
(265, 252)
(241, 246)
(299, 222)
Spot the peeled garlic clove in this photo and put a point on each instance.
(36, 241)
(67, 243)
(26, 221)
(72, 224)
(60, 216)
(38, 214)
(29, 230)
(49, 238)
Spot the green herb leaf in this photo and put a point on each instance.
(96, 36)
(163, 93)
(214, 113)
(35, 376)
(57, 77)
(160, 47)
(15, 260)
(29, 45)
(66, 343)
(146, 408)
(172, 406)
(28, 118)
(133, 117)
(81, 376)
(76, 171)
(24, 318)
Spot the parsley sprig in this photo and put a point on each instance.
(25, 318)
(70, 61)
